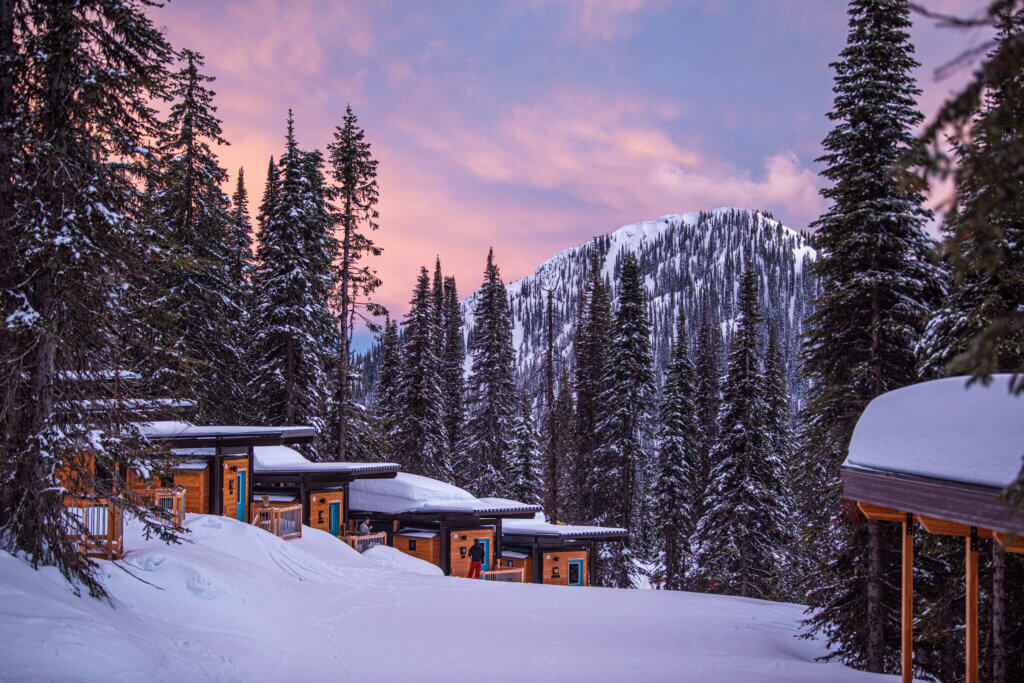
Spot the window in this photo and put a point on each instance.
(412, 544)
(509, 563)
(574, 573)
(554, 573)
(462, 552)
(319, 516)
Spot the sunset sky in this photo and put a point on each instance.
(531, 126)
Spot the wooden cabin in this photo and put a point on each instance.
(938, 455)
(555, 554)
(320, 488)
(436, 521)
(216, 467)
(94, 524)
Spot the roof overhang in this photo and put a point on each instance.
(325, 477)
(222, 437)
(967, 504)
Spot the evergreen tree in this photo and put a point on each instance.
(563, 425)
(878, 283)
(354, 172)
(452, 362)
(741, 531)
(417, 435)
(525, 457)
(75, 118)
(293, 328)
(707, 402)
(240, 247)
(590, 354)
(201, 296)
(387, 375)
(490, 400)
(624, 421)
(678, 445)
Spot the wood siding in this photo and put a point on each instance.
(427, 549)
(197, 489)
(461, 542)
(320, 509)
(556, 566)
(524, 563)
(229, 492)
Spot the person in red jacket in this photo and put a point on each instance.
(476, 559)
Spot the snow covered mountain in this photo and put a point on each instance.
(681, 255)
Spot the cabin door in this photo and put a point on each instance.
(575, 572)
(243, 495)
(335, 520)
(486, 566)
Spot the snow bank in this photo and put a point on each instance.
(944, 429)
(390, 558)
(235, 603)
(415, 493)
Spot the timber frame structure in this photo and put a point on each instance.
(539, 546)
(938, 456)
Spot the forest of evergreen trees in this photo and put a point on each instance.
(121, 249)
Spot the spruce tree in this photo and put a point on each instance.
(524, 462)
(741, 531)
(73, 254)
(293, 328)
(240, 245)
(678, 446)
(707, 401)
(354, 172)
(590, 354)
(877, 285)
(417, 436)
(490, 398)
(201, 300)
(453, 360)
(624, 422)
(563, 419)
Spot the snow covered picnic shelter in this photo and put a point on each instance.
(436, 521)
(557, 554)
(939, 454)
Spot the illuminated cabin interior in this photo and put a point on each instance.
(938, 455)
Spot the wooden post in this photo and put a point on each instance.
(304, 498)
(217, 484)
(346, 513)
(250, 482)
(907, 605)
(446, 552)
(971, 673)
(497, 540)
(538, 563)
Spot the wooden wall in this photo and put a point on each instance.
(556, 566)
(427, 549)
(197, 489)
(524, 563)
(229, 505)
(461, 541)
(320, 511)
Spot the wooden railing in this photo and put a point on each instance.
(284, 521)
(95, 525)
(171, 499)
(507, 575)
(367, 541)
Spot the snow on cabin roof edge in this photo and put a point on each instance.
(942, 429)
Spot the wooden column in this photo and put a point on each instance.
(971, 635)
(346, 513)
(250, 482)
(304, 498)
(907, 604)
(217, 484)
(446, 548)
(497, 541)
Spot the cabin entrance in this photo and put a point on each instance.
(575, 572)
(486, 565)
(242, 496)
(334, 525)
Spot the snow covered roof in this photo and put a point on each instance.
(281, 459)
(98, 375)
(192, 465)
(944, 429)
(514, 554)
(170, 430)
(538, 527)
(417, 533)
(415, 493)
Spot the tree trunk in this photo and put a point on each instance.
(551, 504)
(998, 614)
(346, 256)
(875, 625)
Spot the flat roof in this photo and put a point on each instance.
(285, 460)
(538, 527)
(944, 429)
(413, 493)
(185, 434)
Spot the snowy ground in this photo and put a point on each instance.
(238, 604)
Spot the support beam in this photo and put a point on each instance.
(538, 560)
(879, 513)
(250, 483)
(497, 540)
(304, 499)
(446, 548)
(971, 634)
(907, 602)
(346, 513)
(217, 484)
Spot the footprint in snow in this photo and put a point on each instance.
(201, 587)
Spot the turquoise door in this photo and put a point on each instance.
(487, 554)
(575, 572)
(335, 521)
(243, 495)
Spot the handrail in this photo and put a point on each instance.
(284, 520)
(159, 496)
(366, 541)
(96, 525)
(507, 575)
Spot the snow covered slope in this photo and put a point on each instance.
(237, 604)
(681, 256)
